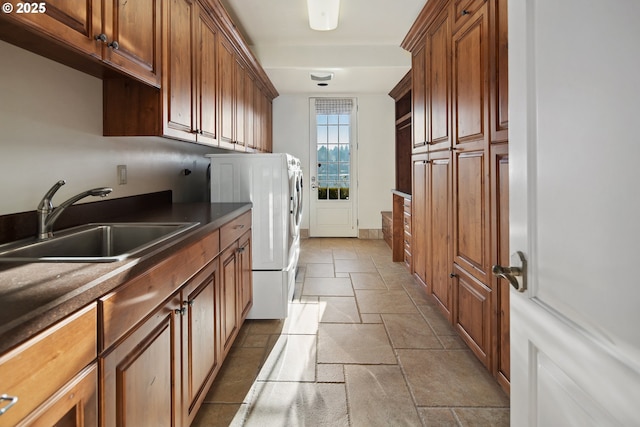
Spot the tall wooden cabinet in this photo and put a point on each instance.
(460, 181)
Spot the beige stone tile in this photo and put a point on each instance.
(483, 417)
(367, 281)
(319, 270)
(354, 343)
(297, 404)
(342, 274)
(339, 310)
(355, 266)
(450, 378)
(437, 417)
(236, 375)
(329, 373)
(410, 331)
(452, 342)
(374, 301)
(378, 396)
(215, 415)
(256, 340)
(293, 358)
(302, 319)
(436, 319)
(267, 327)
(344, 254)
(338, 286)
(315, 256)
(396, 279)
(370, 318)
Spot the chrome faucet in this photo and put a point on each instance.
(47, 214)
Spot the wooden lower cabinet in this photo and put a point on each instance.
(52, 375)
(229, 297)
(141, 375)
(245, 277)
(472, 314)
(201, 355)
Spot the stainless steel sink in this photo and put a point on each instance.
(93, 242)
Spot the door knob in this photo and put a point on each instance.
(516, 274)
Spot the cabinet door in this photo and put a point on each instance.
(73, 23)
(229, 297)
(420, 219)
(226, 66)
(74, 405)
(499, 73)
(471, 214)
(439, 83)
(439, 231)
(418, 96)
(472, 315)
(207, 72)
(245, 282)
(141, 374)
(500, 251)
(249, 109)
(239, 88)
(201, 353)
(133, 31)
(470, 82)
(178, 74)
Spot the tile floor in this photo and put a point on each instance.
(362, 346)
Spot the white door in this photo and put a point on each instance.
(332, 208)
(574, 75)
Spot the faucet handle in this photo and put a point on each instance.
(45, 204)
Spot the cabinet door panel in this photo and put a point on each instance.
(138, 52)
(439, 40)
(228, 297)
(226, 63)
(473, 313)
(418, 95)
(178, 79)
(207, 72)
(500, 74)
(246, 282)
(470, 81)
(141, 375)
(420, 219)
(239, 88)
(471, 214)
(440, 194)
(75, 23)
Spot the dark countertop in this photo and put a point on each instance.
(36, 295)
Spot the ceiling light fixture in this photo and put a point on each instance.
(323, 14)
(321, 76)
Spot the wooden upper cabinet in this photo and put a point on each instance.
(226, 67)
(471, 82)
(499, 73)
(418, 97)
(125, 35)
(133, 31)
(249, 118)
(178, 92)
(439, 83)
(240, 74)
(206, 78)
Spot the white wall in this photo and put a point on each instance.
(375, 156)
(51, 129)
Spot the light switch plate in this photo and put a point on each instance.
(122, 174)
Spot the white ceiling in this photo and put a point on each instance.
(364, 52)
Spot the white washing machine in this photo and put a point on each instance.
(273, 183)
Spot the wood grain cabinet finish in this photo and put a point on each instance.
(141, 377)
(53, 375)
(201, 354)
(245, 278)
(460, 187)
(123, 35)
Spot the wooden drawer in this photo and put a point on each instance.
(231, 231)
(38, 368)
(122, 309)
(406, 223)
(407, 205)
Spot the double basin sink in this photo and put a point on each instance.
(108, 242)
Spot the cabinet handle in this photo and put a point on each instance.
(452, 275)
(12, 401)
(241, 250)
(181, 311)
(465, 12)
(114, 44)
(189, 303)
(238, 227)
(101, 37)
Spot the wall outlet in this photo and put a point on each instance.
(122, 174)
